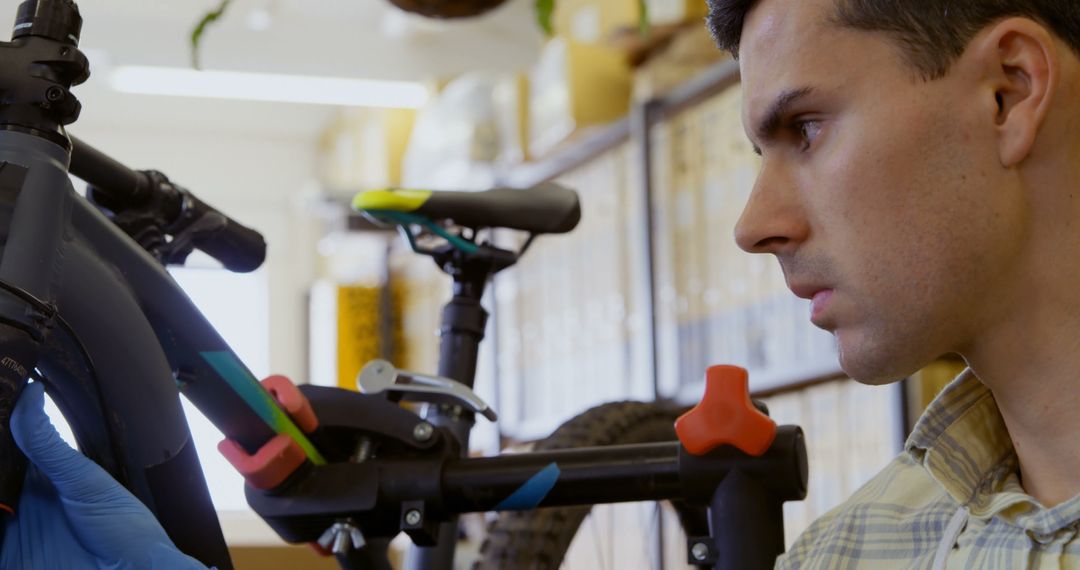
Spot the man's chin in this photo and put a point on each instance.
(874, 380)
(869, 366)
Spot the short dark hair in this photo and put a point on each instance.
(932, 34)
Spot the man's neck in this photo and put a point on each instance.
(1032, 366)
(1027, 351)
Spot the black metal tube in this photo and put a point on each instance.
(464, 321)
(746, 521)
(584, 476)
(120, 183)
(623, 473)
(782, 469)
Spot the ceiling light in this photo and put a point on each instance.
(259, 20)
(183, 82)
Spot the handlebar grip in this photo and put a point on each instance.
(238, 247)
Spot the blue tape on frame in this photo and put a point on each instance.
(533, 492)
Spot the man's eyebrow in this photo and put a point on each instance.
(774, 117)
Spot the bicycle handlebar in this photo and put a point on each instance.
(122, 184)
(238, 247)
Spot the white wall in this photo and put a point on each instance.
(258, 181)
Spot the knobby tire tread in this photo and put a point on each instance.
(538, 539)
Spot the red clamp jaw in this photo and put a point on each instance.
(279, 457)
(726, 416)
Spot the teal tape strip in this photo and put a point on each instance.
(247, 386)
(532, 493)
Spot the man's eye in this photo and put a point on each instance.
(808, 130)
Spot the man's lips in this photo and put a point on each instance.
(807, 291)
(819, 303)
(818, 295)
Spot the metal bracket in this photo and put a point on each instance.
(380, 376)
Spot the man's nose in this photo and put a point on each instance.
(774, 219)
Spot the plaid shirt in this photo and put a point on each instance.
(952, 500)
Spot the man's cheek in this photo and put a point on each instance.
(846, 187)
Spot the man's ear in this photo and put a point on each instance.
(1020, 62)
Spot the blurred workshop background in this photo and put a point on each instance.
(298, 105)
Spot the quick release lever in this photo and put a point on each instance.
(381, 376)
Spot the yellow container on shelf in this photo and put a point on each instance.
(359, 334)
(575, 86)
(364, 148)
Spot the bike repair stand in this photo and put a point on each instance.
(746, 516)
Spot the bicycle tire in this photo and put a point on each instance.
(539, 539)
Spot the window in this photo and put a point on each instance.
(237, 306)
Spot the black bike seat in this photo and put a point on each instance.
(545, 209)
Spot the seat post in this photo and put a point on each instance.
(464, 321)
(463, 324)
(462, 330)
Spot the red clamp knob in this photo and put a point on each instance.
(726, 416)
(280, 456)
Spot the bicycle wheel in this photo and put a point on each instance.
(539, 539)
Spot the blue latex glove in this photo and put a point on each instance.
(72, 514)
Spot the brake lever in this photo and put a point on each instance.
(176, 251)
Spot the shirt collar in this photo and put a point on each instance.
(963, 443)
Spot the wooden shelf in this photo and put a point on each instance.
(710, 83)
(571, 155)
(599, 140)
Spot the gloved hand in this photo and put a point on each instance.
(72, 514)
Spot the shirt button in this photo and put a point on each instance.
(1040, 538)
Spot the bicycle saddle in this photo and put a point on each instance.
(545, 209)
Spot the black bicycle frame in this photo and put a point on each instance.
(127, 338)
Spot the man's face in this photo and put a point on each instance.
(880, 194)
